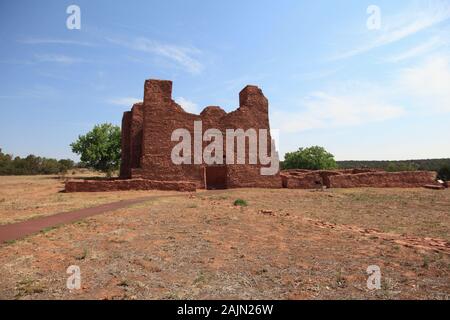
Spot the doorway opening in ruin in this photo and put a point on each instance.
(216, 177)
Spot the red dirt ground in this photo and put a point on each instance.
(286, 244)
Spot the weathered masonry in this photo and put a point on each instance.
(147, 145)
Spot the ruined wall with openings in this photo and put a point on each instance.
(147, 130)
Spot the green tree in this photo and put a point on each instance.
(312, 158)
(100, 148)
(65, 164)
(5, 163)
(49, 166)
(444, 173)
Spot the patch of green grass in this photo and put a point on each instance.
(240, 202)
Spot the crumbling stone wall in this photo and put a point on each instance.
(352, 178)
(125, 161)
(127, 184)
(146, 150)
(404, 179)
(146, 137)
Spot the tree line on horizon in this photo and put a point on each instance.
(441, 166)
(32, 165)
(99, 149)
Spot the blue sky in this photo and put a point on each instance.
(331, 81)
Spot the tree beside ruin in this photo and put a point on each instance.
(312, 158)
(99, 149)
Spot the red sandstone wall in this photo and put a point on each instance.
(161, 116)
(125, 162)
(310, 180)
(129, 184)
(384, 179)
(136, 125)
(350, 178)
(306, 179)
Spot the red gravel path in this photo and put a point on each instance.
(10, 232)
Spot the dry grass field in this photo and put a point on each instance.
(26, 197)
(285, 244)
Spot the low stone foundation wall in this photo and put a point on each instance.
(291, 179)
(130, 184)
(406, 179)
(353, 178)
(312, 179)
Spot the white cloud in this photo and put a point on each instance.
(328, 110)
(428, 83)
(55, 41)
(125, 101)
(423, 88)
(432, 44)
(183, 56)
(187, 105)
(404, 25)
(58, 58)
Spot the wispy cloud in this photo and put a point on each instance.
(404, 25)
(46, 58)
(187, 105)
(182, 55)
(58, 58)
(419, 50)
(323, 109)
(124, 101)
(55, 41)
(428, 84)
(424, 88)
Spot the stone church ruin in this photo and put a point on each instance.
(147, 145)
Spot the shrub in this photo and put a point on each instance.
(240, 202)
(444, 173)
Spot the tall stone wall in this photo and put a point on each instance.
(136, 128)
(125, 161)
(151, 123)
